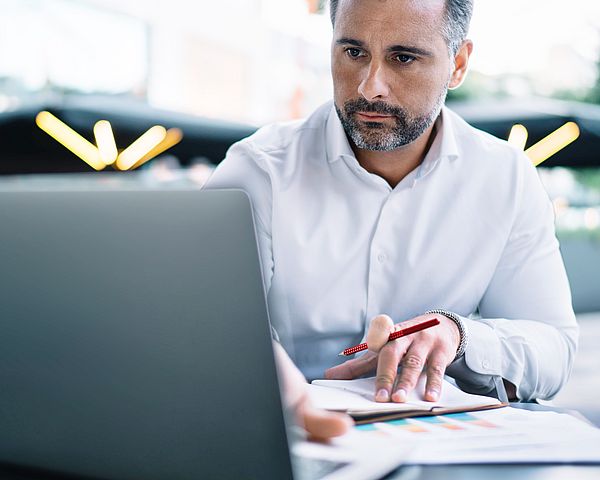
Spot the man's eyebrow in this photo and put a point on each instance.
(350, 41)
(409, 49)
(391, 49)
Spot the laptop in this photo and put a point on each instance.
(135, 341)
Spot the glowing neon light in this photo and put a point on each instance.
(68, 137)
(105, 140)
(173, 137)
(518, 136)
(141, 147)
(553, 143)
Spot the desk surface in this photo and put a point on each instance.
(411, 472)
(420, 472)
(496, 472)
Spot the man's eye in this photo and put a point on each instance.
(404, 58)
(353, 52)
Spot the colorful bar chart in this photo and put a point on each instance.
(471, 419)
(454, 422)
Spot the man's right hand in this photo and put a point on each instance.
(429, 351)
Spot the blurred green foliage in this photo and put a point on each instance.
(592, 236)
(588, 177)
(593, 96)
(477, 86)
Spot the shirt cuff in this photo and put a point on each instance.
(478, 371)
(483, 354)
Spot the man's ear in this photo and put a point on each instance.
(461, 62)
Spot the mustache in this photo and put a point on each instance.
(362, 105)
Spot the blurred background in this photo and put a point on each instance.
(129, 94)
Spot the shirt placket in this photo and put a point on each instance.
(380, 257)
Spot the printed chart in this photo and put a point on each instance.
(501, 435)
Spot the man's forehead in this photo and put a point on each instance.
(427, 13)
(432, 6)
(402, 20)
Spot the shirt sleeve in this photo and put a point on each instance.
(244, 169)
(527, 333)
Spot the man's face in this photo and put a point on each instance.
(391, 69)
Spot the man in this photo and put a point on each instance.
(386, 205)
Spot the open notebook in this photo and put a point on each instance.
(356, 397)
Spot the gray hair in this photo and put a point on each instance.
(456, 24)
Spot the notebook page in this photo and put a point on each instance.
(358, 395)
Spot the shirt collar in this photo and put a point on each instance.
(444, 144)
(335, 138)
(446, 136)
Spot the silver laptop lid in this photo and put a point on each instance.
(134, 340)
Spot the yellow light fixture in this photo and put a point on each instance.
(553, 143)
(173, 137)
(518, 136)
(68, 137)
(141, 147)
(152, 143)
(105, 140)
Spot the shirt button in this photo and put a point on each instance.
(381, 257)
(485, 364)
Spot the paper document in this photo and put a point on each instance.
(506, 435)
(356, 397)
(355, 455)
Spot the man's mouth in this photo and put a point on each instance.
(372, 116)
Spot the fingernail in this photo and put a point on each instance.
(433, 394)
(382, 395)
(399, 396)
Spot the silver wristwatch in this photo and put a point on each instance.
(462, 330)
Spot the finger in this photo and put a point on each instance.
(379, 332)
(353, 368)
(436, 367)
(321, 424)
(412, 366)
(387, 367)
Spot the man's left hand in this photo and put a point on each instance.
(430, 350)
(319, 424)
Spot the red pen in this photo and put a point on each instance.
(403, 332)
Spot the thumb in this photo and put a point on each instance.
(379, 331)
(353, 368)
(321, 424)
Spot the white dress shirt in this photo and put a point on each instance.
(470, 229)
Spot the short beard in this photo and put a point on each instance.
(377, 136)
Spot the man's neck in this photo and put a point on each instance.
(393, 166)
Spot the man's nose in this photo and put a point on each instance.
(374, 85)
